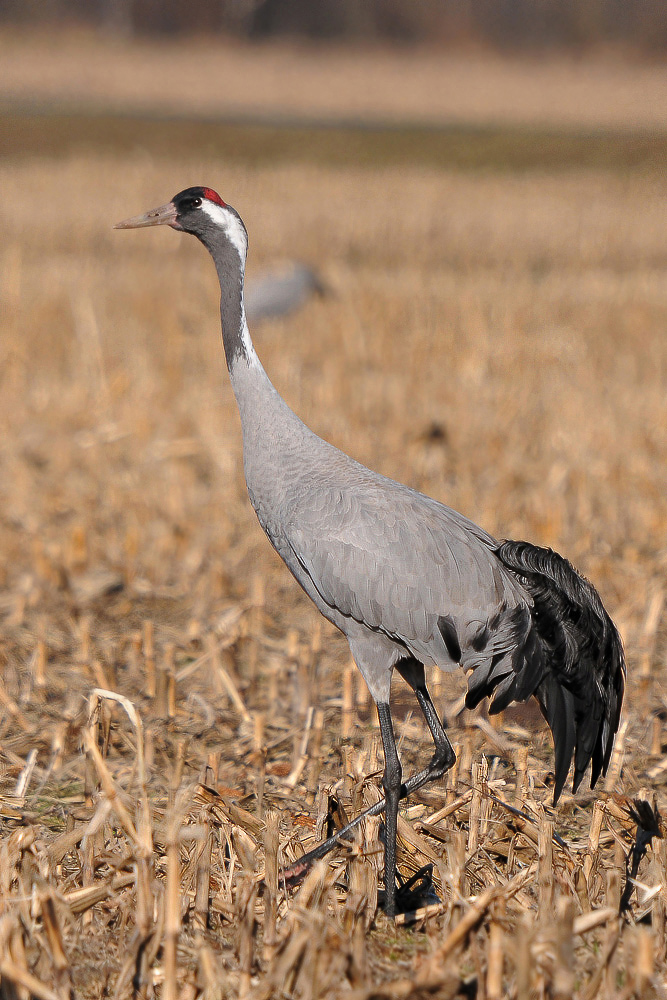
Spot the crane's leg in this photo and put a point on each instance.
(412, 671)
(391, 782)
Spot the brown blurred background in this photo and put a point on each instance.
(512, 24)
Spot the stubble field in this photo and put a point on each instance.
(494, 338)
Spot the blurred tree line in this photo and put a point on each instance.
(640, 24)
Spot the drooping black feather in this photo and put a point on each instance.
(504, 660)
(580, 690)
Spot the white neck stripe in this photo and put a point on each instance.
(231, 225)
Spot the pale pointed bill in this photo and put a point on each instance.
(165, 215)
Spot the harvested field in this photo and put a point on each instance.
(495, 339)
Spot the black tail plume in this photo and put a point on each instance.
(582, 689)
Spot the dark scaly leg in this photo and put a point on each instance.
(413, 673)
(392, 784)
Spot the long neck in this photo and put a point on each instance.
(279, 451)
(269, 426)
(230, 265)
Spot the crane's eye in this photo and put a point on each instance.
(190, 203)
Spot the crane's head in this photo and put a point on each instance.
(200, 211)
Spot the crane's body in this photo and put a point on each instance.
(375, 556)
(409, 581)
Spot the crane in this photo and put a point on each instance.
(278, 293)
(410, 582)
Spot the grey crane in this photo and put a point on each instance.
(279, 293)
(409, 581)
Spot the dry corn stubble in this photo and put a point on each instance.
(494, 340)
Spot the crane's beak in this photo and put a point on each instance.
(165, 215)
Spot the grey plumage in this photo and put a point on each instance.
(279, 293)
(409, 581)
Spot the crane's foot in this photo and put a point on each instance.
(295, 873)
(416, 892)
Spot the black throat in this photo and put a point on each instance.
(230, 265)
